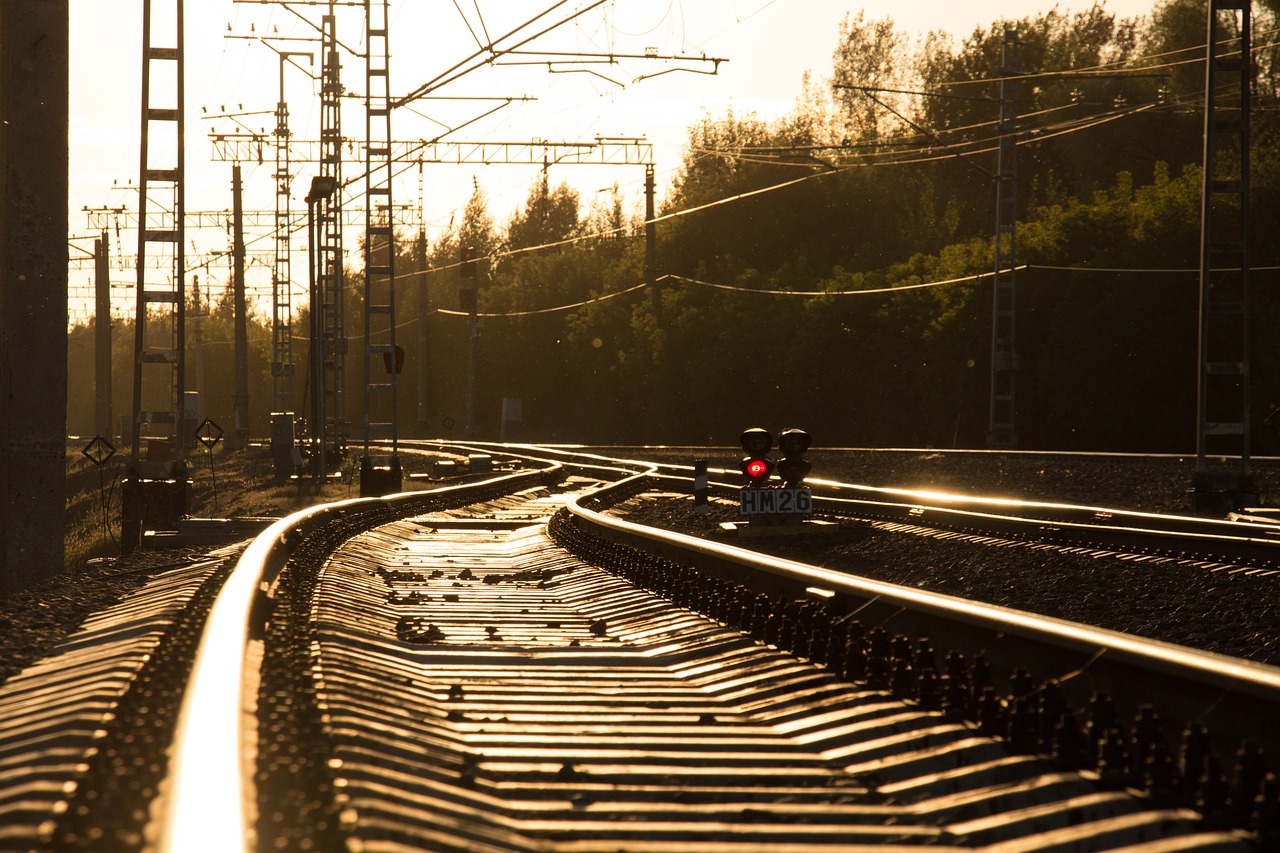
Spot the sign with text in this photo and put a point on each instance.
(775, 501)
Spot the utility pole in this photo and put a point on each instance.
(197, 332)
(1002, 430)
(651, 243)
(102, 335)
(33, 290)
(424, 386)
(239, 437)
(473, 362)
(1223, 410)
(380, 473)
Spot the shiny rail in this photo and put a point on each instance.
(1069, 525)
(1238, 700)
(208, 801)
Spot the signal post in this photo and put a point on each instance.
(780, 508)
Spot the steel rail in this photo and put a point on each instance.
(1082, 517)
(1238, 700)
(1093, 516)
(1032, 510)
(1210, 542)
(1092, 526)
(208, 803)
(566, 455)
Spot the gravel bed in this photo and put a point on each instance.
(1231, 613)
(1140, 483)
(37, 618)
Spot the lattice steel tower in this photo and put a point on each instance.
(160, 311)
(380, 473)
(281, 273)
(1223, 421)
(329, 387)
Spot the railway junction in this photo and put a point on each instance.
(508, 661)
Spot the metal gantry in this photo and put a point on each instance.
(1002, 428)
(601, 151)
(1223, 420)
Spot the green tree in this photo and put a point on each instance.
(870, 55)
(548, 216)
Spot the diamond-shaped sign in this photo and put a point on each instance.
(99, 450)
(209, 433)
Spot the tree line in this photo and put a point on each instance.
(813, 297)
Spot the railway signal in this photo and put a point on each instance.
(780, 508)
(793, 467)
(756, 465)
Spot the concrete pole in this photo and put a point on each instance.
(240, 402)
(197, 328)
(651, 245)
(423, 357)
(473, 365)
(33, 289)
(102, 336)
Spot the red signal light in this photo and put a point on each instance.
(757, 469)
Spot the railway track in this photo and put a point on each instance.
(506, 666)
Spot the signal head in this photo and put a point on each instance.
(794, 442)
(794, 467)
(793, 470)
(757, 441)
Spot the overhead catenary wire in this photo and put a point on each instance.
(893, 289)
(499, 255)
(1118, 66)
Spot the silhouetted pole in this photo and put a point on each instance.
(240, 402)
(33, 289)
(1002, 432)
(423, 386)
(102, 336)
(473, 365)
(651, 244)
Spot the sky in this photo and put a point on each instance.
(234, 80)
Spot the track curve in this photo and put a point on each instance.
(506, 665)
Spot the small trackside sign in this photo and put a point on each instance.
(775, 501)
